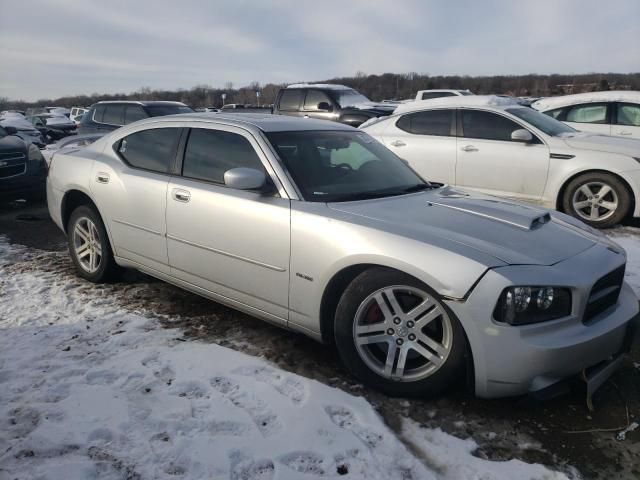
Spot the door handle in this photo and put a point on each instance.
(469, 148)
(398, 143)
(180, 195)
(625, 133)
(102, 177)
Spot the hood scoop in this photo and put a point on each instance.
(524, 217)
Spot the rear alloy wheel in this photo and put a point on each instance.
(395, 334)
(599, 199)
(89, 246)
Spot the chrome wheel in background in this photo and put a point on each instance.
(595, 201)
(87, 245)
(402, 333)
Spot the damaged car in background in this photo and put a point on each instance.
(318, 228)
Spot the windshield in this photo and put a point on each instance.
(334, 166)
(465, 92)
(347, 98)
(162, 110)
(542, 122)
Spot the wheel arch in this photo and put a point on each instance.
(625, 182)
(71, 200)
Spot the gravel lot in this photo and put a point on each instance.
(560, 433)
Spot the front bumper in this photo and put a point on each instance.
(514, 360)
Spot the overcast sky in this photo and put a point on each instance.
(64, 47)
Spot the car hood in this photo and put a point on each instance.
(603, 143)
(512, 233)
(11, 143)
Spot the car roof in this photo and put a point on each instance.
(566, 100)
(325, 86)
(439, 90)
(261, 121)
(492, 101)
(141, 102)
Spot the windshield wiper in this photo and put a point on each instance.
(418, 187)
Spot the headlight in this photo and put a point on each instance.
(34, 154)
(524, 305)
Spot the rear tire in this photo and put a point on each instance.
(89, 246)
(396, 335)
(599, 199)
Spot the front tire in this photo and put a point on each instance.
(601, 200)
(89, 246)
(395, 334)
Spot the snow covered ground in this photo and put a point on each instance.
(88, 390)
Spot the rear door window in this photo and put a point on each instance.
(152, 149)
(588, 113)
(210, 153)
(487, 125)
(113, 115)
(133, 113)
(290, 100)
(433, 122)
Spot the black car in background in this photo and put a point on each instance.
(53, 127)
(106, 116)
(23, 170)
(329, 102)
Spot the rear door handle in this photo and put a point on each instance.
(180, 195)
(398, 143)
(469, 148)
(102, 177)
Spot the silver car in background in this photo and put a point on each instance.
(317, 227)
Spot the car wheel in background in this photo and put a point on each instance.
(89, 246)
(394, 333)
(601, 200)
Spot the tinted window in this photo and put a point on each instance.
(628, 114)
(314, 97)
(210, 153)
(98, 113)
(556, 113)
(162, 110)
(113, 114)
(430, 95)
(3, 132)
(290, 100)
(487, 125)
(588, 113)
(435, 122)
(133, 113)
(152, 149)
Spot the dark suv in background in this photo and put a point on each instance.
(23, 171)
(106, 116)
(329, 102)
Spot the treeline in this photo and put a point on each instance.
(376, 87)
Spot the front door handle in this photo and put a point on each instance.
(398, 143)
(180, 195)
(102, 177)
(469, 148)
(625, 133)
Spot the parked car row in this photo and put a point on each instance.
(419, 285)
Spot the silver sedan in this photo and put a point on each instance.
(316, 227)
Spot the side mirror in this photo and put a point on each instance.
(11, 130)
(245, 178)
(325, 107)
(521, 135)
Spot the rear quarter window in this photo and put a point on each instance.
(290, 100)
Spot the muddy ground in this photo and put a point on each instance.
(561, 433)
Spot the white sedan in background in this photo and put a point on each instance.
(609, 113)
(493, 145)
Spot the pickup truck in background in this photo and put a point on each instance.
(329, 102)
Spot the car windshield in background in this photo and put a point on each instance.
(542, 122)
(347, 98)
(3, 133)
(465, 92)
(162, 110)
(330, 166)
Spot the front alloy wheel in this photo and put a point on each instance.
(395, 334)
(402, 334)
(595, 201)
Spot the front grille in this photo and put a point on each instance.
(12, 164)
(604, 294)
